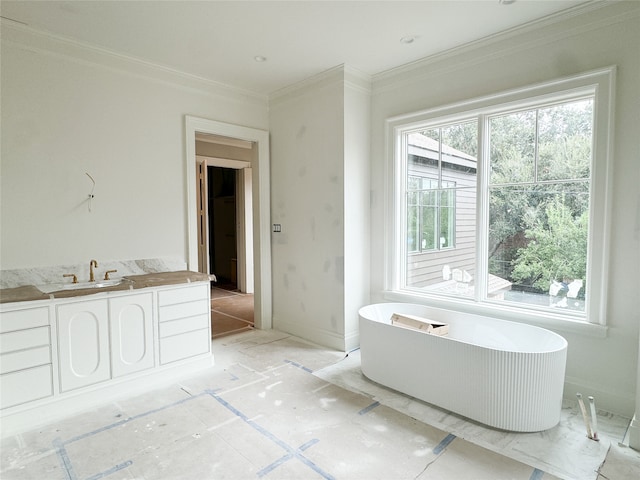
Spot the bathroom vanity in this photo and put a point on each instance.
(66, 351)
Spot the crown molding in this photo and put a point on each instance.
(340, 75)
(29, 38)
(328, 78)
(570, 22)
(357, 79)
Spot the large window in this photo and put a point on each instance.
(502, 201)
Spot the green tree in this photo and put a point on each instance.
(537, 156)
(556, 249)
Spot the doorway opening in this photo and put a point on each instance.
(225, 230)
(256, 179)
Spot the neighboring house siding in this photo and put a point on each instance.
(424, 269)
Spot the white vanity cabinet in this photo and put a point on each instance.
(131, 327)
(25, 356)
(83, 343)
(66, 354)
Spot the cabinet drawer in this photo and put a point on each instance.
(25, 386)
(22, 359)
(183, 325)
(183, 295)
(184, 345)
(22, 319)
(23, 339)
(182, 310)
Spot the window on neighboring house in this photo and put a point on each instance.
(430, 214)
(501, 201)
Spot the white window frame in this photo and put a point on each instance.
(600, 83)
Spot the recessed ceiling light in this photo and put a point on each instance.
(260, 58)
(408, 39)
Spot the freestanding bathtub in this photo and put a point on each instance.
(502, 374)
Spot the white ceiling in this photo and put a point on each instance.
(218, 40)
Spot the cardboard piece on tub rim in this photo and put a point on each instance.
(421, 324)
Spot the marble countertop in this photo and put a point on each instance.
(28, 293)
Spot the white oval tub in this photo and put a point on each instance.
(503, 374)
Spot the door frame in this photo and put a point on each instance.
(261, 206)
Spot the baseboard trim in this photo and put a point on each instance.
(318, 336)
(607, 400)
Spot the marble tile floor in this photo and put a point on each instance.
(264, 411)
(564, 451)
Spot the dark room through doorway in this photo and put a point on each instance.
(222, 207)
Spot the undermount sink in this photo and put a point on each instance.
(57, 287)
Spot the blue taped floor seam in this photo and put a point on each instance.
(438, 449)
(291, 452)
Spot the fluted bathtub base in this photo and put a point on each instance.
(502, 374)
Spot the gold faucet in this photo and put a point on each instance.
(92, 264)
(75, 277)
(106, 274)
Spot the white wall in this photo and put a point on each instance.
(307, 194)
(319, 183)
(602, 367)
(357, 199)
(67, 110)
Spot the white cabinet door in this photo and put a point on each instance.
(83, 348)
(131, 323)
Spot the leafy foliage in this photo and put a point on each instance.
(539, 194)
(556, 249)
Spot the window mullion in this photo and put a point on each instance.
(535, 147)
(482, 210)
(399, 272)
(438, 206)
